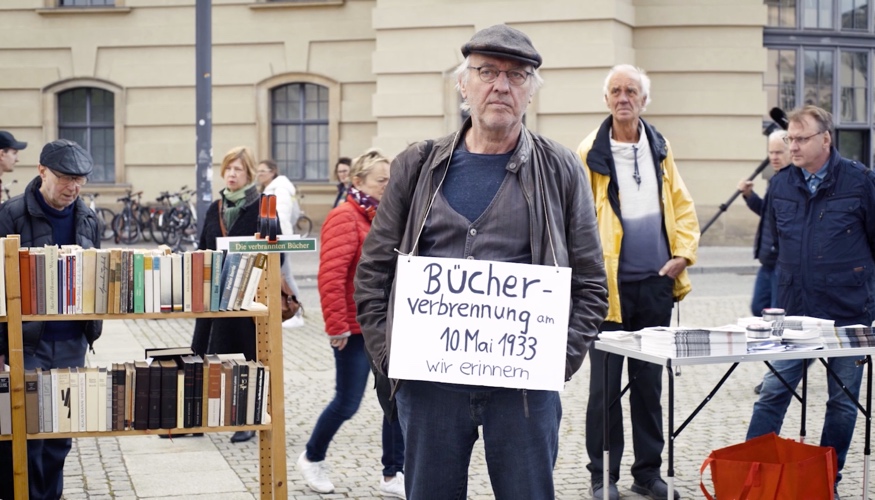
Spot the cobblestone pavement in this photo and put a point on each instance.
(103, 468)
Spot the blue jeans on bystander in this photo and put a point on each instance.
(352, 369)
(441, 423)
(765, 290)
(841, 411)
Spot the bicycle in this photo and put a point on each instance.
(104, 217)
(126, 225)
(179, 225)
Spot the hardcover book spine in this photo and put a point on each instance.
(154, 396)
(31, 401)
(139, 283)
(24, 274)
(141, 396)
(168, 394)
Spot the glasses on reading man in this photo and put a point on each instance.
(489, 74)
(801, 140)
(66, 180)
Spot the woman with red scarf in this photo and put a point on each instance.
(343, 235)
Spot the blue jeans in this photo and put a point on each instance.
(841, 412)
(441, 424)
(765, 290)
(45, 457)
(352, 369)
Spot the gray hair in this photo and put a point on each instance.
(635, 71)
(461, 75)
(778, 134)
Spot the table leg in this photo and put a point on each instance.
(802, 431)
(670, 480)
(867, 450)
(606, 445)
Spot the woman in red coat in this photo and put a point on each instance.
(343, 234)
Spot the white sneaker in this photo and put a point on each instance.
(393, 488)
(315, 474)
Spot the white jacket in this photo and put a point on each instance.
(287, 208)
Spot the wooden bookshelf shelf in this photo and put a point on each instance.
(167, 315)
(272, 457)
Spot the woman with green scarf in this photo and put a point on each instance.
(235, 213)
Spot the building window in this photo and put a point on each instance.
(86, 3)
(782, 13)
(854, 15)
(818, 78)
(86, 115)
(817, 14)
(853, 86)
(299, 130)
(780, 79)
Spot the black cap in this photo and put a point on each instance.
(8, 141)
(66, 157)
(503, 41)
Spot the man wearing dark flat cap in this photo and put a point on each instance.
(492, 191)
(50, 212)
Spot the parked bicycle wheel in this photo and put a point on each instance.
(104, 223)
(155, 225)
(144, 217)
(174, 225)
(303, 226)
(126, 228)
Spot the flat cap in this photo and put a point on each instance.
(8, 141)
(66, 157)
(503, 41)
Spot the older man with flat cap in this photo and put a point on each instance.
(50, 212)
(492, 191)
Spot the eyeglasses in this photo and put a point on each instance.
(801, 140)
(66, 180)
(488, 74)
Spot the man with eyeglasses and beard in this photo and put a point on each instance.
(491, 191)
(50, 212)
(822, 215)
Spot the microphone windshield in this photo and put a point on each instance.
(779, 117)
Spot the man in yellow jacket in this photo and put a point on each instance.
(650, 234)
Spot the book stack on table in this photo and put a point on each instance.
(676, 342)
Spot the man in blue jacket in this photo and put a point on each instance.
(822, 213)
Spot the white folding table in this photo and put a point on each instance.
(830, 350)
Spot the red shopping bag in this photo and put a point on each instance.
(771, 468)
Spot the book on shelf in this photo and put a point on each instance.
(240, 281)
(229, 275)
(207, 276)
(101, 282)
(128, 256)
(154, 421)
(40, 281)
(63, 400)
(114, 290)
(148, 281)
(254, 280)
(213, 367)
(186, 282)
(89, 279)
(198, 417)
(251, 392)
(197, 281)
(168, 370)
(177, 285)
(50, 278)
(83, 401)
(31, 401)
(92, 397)
(258, 402)
(46, 400)
(129, 394)
(229, 391)
(139, 295)
(141, 396)
(25, 278)
(216, 280)
(188, 368)
(102, 402)
(56, 407)
(166, 282)
(74, 399)
(118, 396)
(5, 404)
(172, 353)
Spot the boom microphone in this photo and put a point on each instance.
(780, 117)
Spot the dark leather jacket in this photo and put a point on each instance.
(23, 215)
(552, 180)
